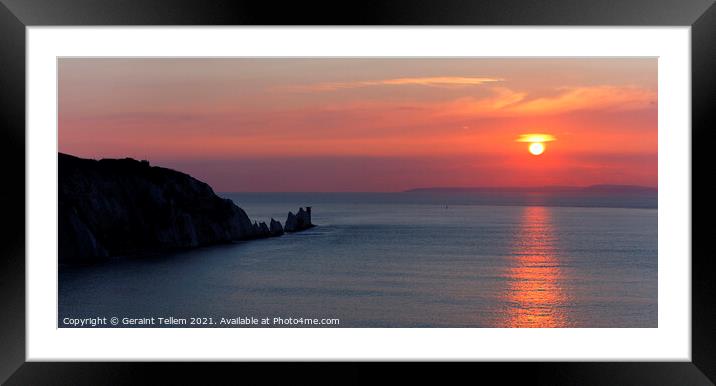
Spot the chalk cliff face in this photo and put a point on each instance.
(116, 207)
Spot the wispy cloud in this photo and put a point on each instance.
(435, 81)
(592, 98)
(505, 102)
(536, 138)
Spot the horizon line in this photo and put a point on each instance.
(409, 190)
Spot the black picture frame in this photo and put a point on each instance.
(16, 15)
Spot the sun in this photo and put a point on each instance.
(536, 148)
(537, 142)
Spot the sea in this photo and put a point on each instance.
(398, 260)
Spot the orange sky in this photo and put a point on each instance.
(367, 124)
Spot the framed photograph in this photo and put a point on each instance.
(479, 182)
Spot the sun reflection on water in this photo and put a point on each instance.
(535, 296)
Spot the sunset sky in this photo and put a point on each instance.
(365, 124)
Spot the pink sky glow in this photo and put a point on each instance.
(367, 124)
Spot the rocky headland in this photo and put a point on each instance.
(120, 207)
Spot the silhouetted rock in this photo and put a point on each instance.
(275, 228)
(263, 230)
(116, 207)
(299, 221)
(290, 222)
(260, 230)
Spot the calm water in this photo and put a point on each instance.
(402, 260)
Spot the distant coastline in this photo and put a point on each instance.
(602, 188)
(575, 198)
(606, 196)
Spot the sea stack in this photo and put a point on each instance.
(275, 228)
(299, 221)
(260, 230)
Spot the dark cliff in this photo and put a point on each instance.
(116, 207)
